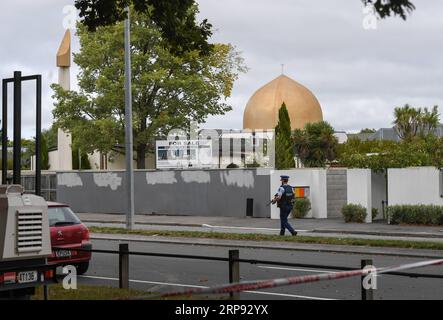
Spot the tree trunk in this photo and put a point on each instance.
(141, 156)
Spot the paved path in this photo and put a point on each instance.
(262, 225)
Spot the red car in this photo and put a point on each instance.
(67, 231)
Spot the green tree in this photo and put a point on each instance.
(51, 137)
(380, 155)
(44, 153)
(168, 90)
(316, 144)
(367, 130)
(411, 122)
(284, 152)
(175, 20)
(80, 162)
(392, 7)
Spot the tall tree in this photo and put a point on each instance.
(284, 152)
(168, 90)
(175, 19)
(411, 122)
(316, 144)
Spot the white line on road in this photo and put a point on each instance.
(295, 269)
(194, 286)
(246, 228)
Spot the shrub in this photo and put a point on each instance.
(301, 207)
(354, 213)
(416, 214)
(374, 213)
(232, 166)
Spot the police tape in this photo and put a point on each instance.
(272, 283)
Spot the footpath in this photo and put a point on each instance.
(331, 227)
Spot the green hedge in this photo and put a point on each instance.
(416, 214)
(301, 207)
(354, 213)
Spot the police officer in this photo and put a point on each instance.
(284, 197)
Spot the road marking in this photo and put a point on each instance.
(295, 269)
(203, 287)
(247, 228)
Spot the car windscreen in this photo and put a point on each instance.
(62, 216)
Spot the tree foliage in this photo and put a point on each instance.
(316, 144)
(284, 152)
(168, 90)
(380, 155)
(411, 122)
(385, 8)
(175, 20)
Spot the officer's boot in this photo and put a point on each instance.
(282, 232)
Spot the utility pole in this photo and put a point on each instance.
(128, 131)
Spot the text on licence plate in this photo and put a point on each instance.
(63, 253)
(26, 277)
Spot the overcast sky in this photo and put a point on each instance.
(358, 75)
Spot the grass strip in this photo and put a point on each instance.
(264, 237)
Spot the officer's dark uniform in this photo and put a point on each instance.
(285, 204)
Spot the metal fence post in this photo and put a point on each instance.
(123, 266)
(234, 272)
(366, 294)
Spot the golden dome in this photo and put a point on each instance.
(261, 111)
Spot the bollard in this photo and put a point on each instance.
(366, 294)
(123, 266)
(234, 272)
(249, 207)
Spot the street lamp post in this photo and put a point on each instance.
(128, 129)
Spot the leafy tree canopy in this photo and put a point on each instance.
(175, 19)
(367, 130)
(316, 144)
(381, 154)
(386, 8)
(411, 122)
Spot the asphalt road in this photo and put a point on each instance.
(159, 275)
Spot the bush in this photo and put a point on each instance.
(354, 213)
(232, 166)
(374, 213)
(301, 207)
(416, 214)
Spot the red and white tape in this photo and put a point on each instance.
(272, 283)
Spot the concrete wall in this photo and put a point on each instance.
(359, 189)
(336, 191)
(414, 186)
(313, 178)
(178, 192)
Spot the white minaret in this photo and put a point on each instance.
(64, 154)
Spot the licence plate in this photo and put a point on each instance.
(27, 277)
(63, 253)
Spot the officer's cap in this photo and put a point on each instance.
(284, 177)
